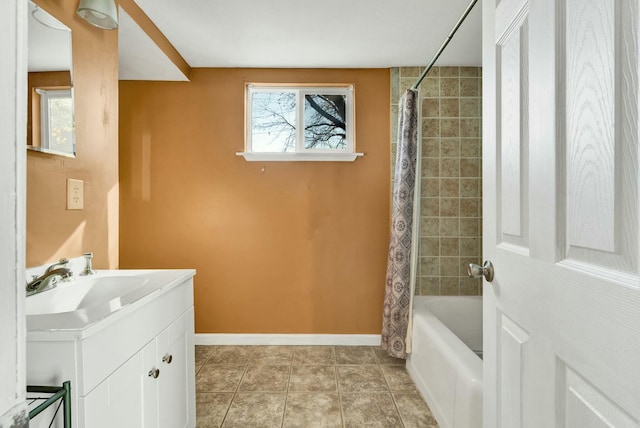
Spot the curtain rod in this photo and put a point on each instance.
(444, 44)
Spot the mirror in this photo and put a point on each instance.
(50, 118)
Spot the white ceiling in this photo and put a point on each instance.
(309, 33)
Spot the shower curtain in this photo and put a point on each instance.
(400, 282)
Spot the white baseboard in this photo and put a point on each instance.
(287, 339)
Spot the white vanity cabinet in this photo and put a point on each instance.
(170, 390)
(151, 389)
(136, 370)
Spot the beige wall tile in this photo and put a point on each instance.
(449, 266)
(470, 128)
(449, 246)
(449, 71)
(394, 123)
(469, 71)
(470, 148)
(430, 207)
(430, 128)
(470, 107)
(429, 247)
(430, 87)
(449, 226)
(469, 167)
(449, 187)
(449, 87)
(431, 167)
(469, 227)
(469, 207)
(434, 72)
(449, 127)
(470, 187)
(470, 286)
(429, 266)
(430, 147)
(431, 107)
(395, 84)
(410, 71)
(430, 187)
(449, 167)
(450, 286)
(449, 207)
(449, 147)
(430, 226)
(469, 246)
(469, 87)
(449, 107)
(430, 285)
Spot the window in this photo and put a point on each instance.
(56, 121)
(299, 123)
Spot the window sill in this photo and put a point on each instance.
(299, 157)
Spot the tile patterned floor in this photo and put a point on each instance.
(305, 387)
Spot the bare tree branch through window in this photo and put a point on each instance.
(274, 127)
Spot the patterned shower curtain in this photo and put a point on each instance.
(399, 289)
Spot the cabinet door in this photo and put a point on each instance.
(118, 400)
(150, 384)
(174, 379)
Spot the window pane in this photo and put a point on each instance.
(325, 122)
(273, 122)
(61, 124)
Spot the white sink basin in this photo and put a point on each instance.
(84, 301)
(84, 293)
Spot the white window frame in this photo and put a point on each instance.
(46, 95)
(301, 153)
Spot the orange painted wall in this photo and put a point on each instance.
(52, 231)
(299, 247)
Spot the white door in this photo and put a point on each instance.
(562, 316)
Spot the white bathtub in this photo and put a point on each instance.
(442, 364)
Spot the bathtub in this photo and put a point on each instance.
(448, 373)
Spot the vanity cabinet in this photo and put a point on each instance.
(150, 390)
(135, 371)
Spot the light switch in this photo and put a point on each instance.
(75, 194)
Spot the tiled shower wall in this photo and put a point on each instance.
(451, 184)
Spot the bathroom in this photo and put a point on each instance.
(174, 194)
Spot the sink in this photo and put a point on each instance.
(84, 293)
(85, 304)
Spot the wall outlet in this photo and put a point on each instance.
(75, 194)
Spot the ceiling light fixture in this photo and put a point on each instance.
(46, 19)
(100, 13)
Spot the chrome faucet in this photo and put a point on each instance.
(88, 270)
(50, 277)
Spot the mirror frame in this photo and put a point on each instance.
(54, 80)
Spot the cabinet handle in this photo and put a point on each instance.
(167, 358)
(154, 373)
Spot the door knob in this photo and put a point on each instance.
(167, 358)
(476, 271)
(154, 373)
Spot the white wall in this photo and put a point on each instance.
(13, 91)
